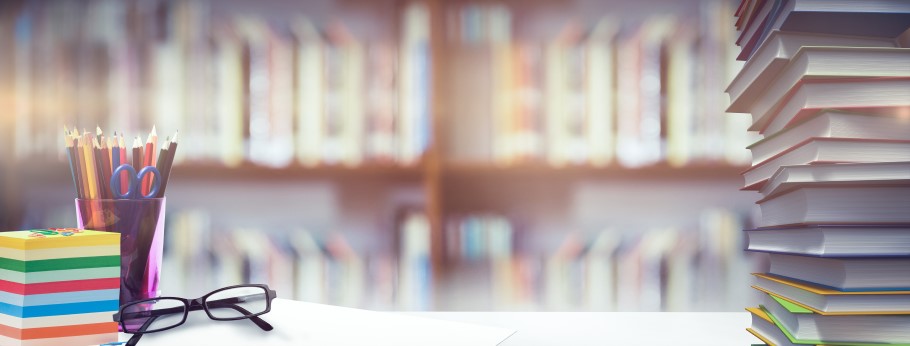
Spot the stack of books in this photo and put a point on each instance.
(828, 86)
(59, 287)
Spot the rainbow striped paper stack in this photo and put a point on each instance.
(58, 287)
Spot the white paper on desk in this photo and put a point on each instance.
(300, 323)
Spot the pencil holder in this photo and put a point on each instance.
(140, 223)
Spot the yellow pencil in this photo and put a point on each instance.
(80, 152)
(91, 174)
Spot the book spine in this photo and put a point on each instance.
(600, 101)
(280, 148)
(310, 94)
(229, 99)
(414, 122)
(352, 106)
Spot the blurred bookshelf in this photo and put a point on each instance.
(447, 155)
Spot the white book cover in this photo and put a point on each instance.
(887, 96)
(874, 173)
(681, 87)
(310, 93)
(834, 124)
(825, 150)
(821, 64)
(229, 99)
(255, 34)
(353, 102)
(415, 120)
(600, 94)
(281, 98)
(878, 205)
(774, 54)
(310, 269)
(381, 101)
(832, 240)
(555, 98)
(169, 80)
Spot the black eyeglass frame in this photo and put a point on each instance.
(198, 304)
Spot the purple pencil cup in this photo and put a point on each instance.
(140, 223)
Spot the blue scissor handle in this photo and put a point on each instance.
(135, 181)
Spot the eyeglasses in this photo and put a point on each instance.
(225, 304)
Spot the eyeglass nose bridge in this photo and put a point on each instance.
(196, 303)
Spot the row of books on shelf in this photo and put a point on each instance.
(667, 269)
(243, 88)
(628, 91)
(238, 87)
(833, 170)
(300, 264)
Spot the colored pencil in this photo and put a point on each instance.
(168, 162)
(70, 156)
(137, 153)
(92, 158)
(98, 153)
(115, 162)
(106, 170)
(80, 158)
(90, 165)
(149, 160)
(124, 180)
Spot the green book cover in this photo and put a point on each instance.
(816, 342)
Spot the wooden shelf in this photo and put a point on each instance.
(535, 171)
(416, 172)
(59, 172)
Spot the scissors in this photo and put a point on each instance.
(135, 182)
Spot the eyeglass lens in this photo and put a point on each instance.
(237, 302)
(153, 315)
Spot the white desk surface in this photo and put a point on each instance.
(613, 328)
(299, 323)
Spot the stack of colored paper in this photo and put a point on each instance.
(59, 287)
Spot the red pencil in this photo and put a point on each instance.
(106, 172)
(124, 180)
(149, 160)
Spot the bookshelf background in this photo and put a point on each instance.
(449, 155)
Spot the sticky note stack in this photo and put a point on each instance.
(59, 287)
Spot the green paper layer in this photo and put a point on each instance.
(59, 264)
(60, 275)
(818, 342)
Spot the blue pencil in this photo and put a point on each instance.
(115, 162)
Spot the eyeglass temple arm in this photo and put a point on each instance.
(258, 321)
(135, 338)
(149, 313)
(232, 303)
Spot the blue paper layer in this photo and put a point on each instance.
(59, 298)
(59, 309)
